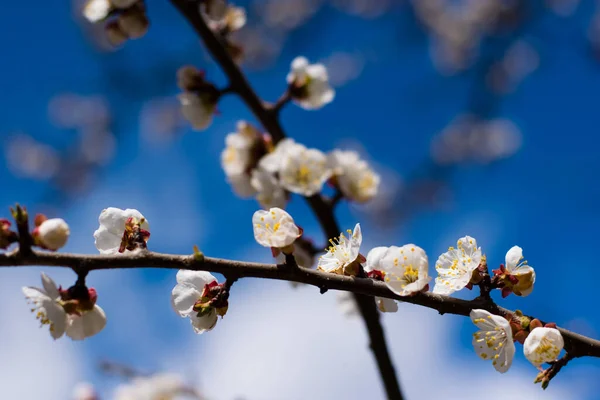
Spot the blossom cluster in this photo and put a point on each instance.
(404, 269)
(256, 167)
(74, 311)
(308, 84)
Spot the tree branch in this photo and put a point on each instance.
(237, 80)
(575, 344)
(268, 116)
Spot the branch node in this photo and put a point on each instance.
(198, 255)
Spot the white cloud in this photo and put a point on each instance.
(277, 342)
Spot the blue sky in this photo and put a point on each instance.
(543, 198)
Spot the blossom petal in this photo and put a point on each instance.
(107, 242)
(183, 298)
(196, 279)
(204, 323)
(374, 258)
(86, 325)
(50, 287)
(513, 257)
(57, 317)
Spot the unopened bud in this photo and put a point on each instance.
(7, 237)
(190, 78)
(134, 22)
(52, 234)
(535, 323)
(115, 34)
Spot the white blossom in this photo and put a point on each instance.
(303, 171)
(456, 266)
(494, 340)
(237, 158)
(237, 155)
(161, 386)
(79, 323)
(52, 233)
(198, 109)
(355, 178)
(405, 269)
(310, 84)
(46, 305)
(343, 253)
(84, 391)
(273, 161)
(373, 264)
(516, 266)
(96, 10)
(233, 19)
(269, 191)
(543, 345)
(109, 236)
(188, 291)
(274, 228)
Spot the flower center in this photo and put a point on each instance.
(410, 274)
(303, 174)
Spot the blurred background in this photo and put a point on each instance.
(480, 115)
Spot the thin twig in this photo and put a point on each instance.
(547, 375)
(575, 344)
(281, 102)
(237, 80)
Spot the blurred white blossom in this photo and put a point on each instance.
(26, 157)
(355, 178)
(469, 139)
(198, 109)
(303, 171)
(269, 192)
(309, 84)
(162, 386)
